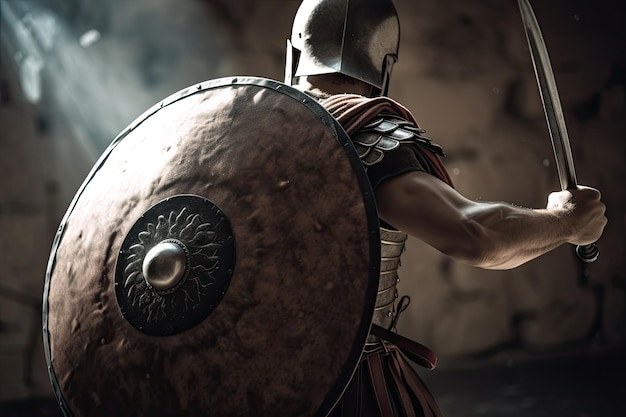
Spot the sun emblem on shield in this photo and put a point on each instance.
(175, 265)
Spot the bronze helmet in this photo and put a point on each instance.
(357, 38)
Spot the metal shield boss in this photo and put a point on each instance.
(221, 259)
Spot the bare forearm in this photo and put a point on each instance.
(488, 235)
(506, 236)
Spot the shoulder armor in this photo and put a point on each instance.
(385, 133)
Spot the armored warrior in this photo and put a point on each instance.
(342, 53)
(185, 278)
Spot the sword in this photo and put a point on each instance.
(553, 112)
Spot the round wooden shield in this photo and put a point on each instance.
(221, 259)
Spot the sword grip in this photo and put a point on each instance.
(588, 253)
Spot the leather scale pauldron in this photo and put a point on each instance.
(385, 133)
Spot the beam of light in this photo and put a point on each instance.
(26, 39)
(94, 82)
(51, 61)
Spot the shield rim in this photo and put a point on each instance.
(371, 212)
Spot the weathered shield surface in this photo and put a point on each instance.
(266, 221)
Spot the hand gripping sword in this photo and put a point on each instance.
(554, 113)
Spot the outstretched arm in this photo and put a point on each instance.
(488, 235)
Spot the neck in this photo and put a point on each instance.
(332, 84)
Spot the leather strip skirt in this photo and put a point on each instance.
(386, 385)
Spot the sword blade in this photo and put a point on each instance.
(549, 97)
(553, 111)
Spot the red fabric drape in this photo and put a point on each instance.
(353, 112)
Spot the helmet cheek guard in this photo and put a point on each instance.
(357, 38)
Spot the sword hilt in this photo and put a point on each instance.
(588, 253)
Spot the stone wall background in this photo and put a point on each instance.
(464, 71)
